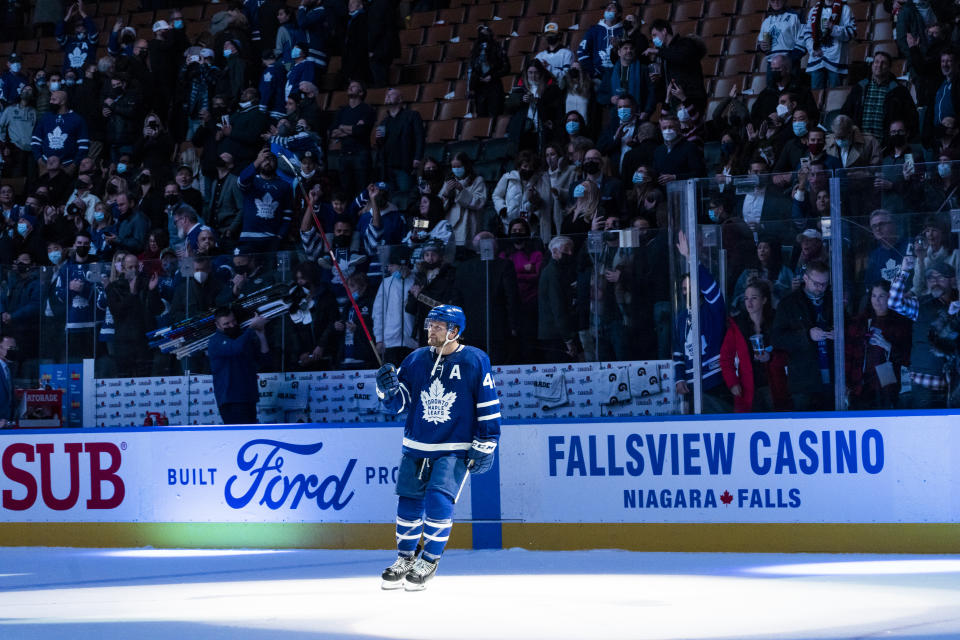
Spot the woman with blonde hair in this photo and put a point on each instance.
(584, 215)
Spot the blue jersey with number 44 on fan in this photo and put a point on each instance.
(449, 408)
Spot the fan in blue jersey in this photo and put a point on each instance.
(452, 428)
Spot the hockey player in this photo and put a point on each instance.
(451, 430)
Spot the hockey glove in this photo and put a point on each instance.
(388, 384)
(480, 456)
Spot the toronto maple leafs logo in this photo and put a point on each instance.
(57, 138)
(77, 57)
(890, 270)
(267, 77)
(437, 402)
(266, 207)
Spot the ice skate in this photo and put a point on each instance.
(394, 574)
(417, 577)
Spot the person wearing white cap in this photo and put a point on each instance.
(165, 52)
(556, 57)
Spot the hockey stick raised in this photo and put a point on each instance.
(336, 264)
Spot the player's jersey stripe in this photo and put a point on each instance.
(480, 405)
(443, 446)
(489, 417)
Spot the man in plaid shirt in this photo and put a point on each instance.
(929, 385)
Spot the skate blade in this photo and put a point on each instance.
(410, 586)
(386, 585)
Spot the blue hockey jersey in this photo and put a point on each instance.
(267, 206)
(450, 408)
(272, 90)
(64, 136)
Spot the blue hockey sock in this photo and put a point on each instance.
(437, 524)
(409, 524)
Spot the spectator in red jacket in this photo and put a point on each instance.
(745, 354)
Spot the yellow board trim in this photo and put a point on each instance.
(727, 537)
(741, 538)
(226, 535)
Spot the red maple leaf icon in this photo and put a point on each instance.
(726, 498)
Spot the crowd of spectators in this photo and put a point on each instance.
(165, 175)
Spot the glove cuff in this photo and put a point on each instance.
(484, 446)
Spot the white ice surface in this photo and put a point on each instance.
(185, 595)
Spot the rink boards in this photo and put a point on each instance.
(808, 482)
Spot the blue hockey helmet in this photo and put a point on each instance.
(453, 316)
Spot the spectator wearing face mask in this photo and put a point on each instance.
(488, 64)
(597, 170)
(676, 158)
(308, 328)
(899, 186)
(629, 77)
(193, 93)
(595, 52)
(27, 238)
(783, 82)
(298, 144)
(463, 196)
(850, 145)
(194, 295)
(84, 197)
(233, 75)
(349, 259)
(78, 41)
(621, 135)
(679, 59)
(123, 113)
(303, 69)
(12, 81)
(73, 299)
(234, 355)
(62, 133)
(288, 35)
(433, 283)
(249, 273)
(240, 134)
(556, 58)
(392, 326)
(20, 304)
(525, 193)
